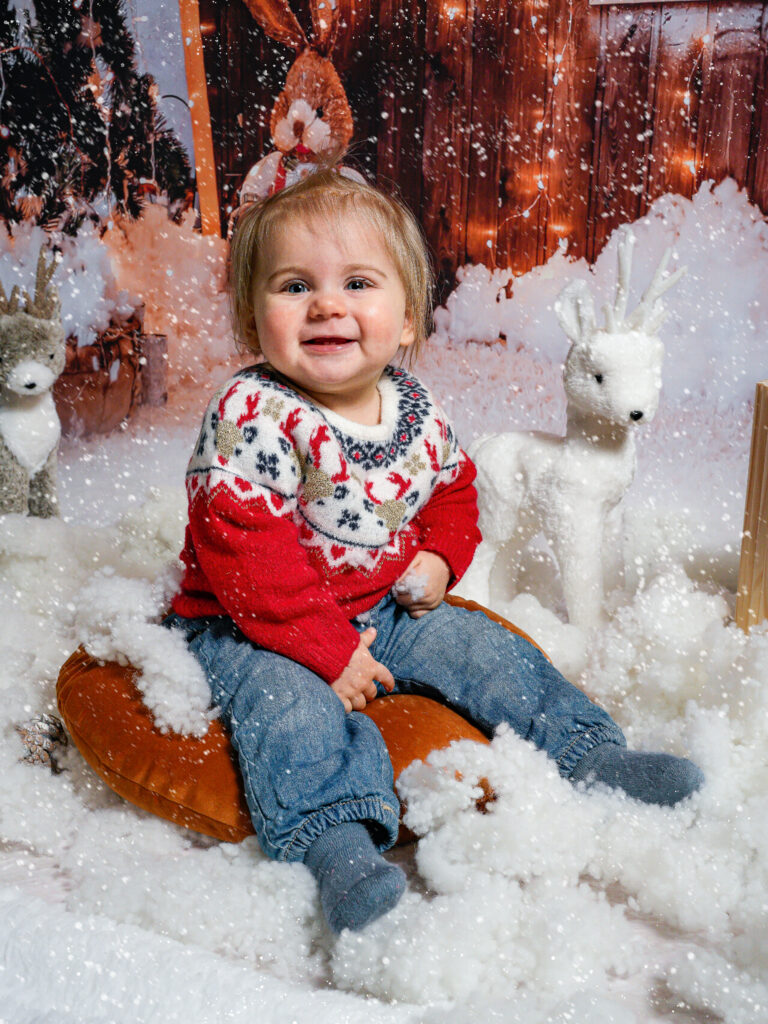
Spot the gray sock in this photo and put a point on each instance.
(652, 778)
(356, 883)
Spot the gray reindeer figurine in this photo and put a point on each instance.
(32, 355)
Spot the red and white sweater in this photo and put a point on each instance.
(300, 519)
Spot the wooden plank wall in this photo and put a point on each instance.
(509, 127)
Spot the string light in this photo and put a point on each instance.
(686, 158)
(544, 122)
(545, 119)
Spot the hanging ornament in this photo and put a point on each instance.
(90, 32)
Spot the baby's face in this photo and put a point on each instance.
(330, 310)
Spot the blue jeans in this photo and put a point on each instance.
(307, 764)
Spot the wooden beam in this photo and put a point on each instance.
(752, 596)
(197, 88)
(728, 93)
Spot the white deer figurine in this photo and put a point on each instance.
(566, 487)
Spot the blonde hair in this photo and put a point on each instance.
(330, 195)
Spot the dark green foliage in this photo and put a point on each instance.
(63, 146)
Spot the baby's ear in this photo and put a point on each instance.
(409, 332)
(250, 335)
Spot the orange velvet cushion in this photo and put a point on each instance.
(195, 782)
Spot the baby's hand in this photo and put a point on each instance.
(357, 683)
(422, 586)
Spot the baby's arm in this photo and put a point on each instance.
(449, 536)
(357, 683)
(448, 522)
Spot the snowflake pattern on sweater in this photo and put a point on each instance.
(352, 495)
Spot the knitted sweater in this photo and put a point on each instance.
(300, 519)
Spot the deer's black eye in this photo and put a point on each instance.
(599, 378)
(319, 111)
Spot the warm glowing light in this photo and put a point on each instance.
(687, 160)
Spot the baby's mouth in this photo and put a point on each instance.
(328, 342)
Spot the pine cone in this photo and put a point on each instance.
(41, 736)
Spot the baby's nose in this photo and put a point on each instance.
(329, 303)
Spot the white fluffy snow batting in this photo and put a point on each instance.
(556, 906)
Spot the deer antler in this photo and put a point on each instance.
(9, 305)
(46, 300)
(649, 312)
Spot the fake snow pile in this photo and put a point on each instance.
(180, 276)
(556, 905)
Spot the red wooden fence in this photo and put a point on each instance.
(508, 126)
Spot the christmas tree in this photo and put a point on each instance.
(80, 132)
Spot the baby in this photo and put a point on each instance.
(330, 509)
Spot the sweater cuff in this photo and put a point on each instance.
(456, 553)
(333, 660)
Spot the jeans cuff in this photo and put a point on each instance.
(582, 742)
(365, 809)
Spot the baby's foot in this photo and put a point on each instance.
(652, 778)
(356, 884)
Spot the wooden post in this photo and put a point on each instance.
(752, 597)
(154, 365)
(197, 88)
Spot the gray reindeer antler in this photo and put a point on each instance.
(45, 303)
(649, 313)
(9, 305)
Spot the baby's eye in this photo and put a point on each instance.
(358, 283)
(294, 287)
